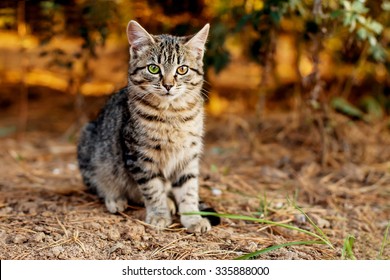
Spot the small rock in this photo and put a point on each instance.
(300, 218)
(113, 234)
(291, 256)
(279, 205)
(353, 172)
(19, 239)
(247, 246)
(6, 210)
(72, 166)
(134, 232)
(251, 247)
(216, 192)
(38, 237)
(56, 236)
(3, 236)
(93, 225)
(38, 228)
(272, 173)
(321, 222)
(101, 235)
(56, 171)
(57, 250)
(47, 214)
(145, 238)
(126, 251)
(115, 247)
(29, 207)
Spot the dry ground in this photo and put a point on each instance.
(45, 212)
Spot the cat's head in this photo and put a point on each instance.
(166, 66)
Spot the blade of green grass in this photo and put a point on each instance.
(319, 231)
(247, 218)
(275, 247)
(384, 242)
(347, 252)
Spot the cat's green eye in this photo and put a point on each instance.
(154, 69)
(182, 70)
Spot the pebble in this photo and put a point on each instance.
(300, 218)
(38, 228)
(56, 236)
(113, 234)
(251, 246)
(135, 232)
(6, 210)
(95, 225)
(101, 235)
(19, 239)
(216, 192)
(57, 250)
(3, 236)
(72, 166)
(115, 247)
(38, 237)
(56, 171)
(46, 214)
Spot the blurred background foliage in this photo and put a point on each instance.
(265, 53)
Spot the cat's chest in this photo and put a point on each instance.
(172, 132)
(177, 144)
(173, 139)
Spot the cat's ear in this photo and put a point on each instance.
(198, 41)
(137, 35)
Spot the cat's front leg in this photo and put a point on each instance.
(153, 189)
(185, 189)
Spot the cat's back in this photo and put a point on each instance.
(112, 115)
(105, 129)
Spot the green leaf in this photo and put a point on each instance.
(376, 27)
(361, 19)
(386, 6)
(378, 52)
(214, 168)
(336, 14)
(341, 105)
(359, 7)
(362, 33)
(347, 252)
(384, 241)
(372, 107)
(320, 232)
(372, 40)
(347, 5)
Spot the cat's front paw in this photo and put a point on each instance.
(158, 220)
(116, 205)
(199, 226)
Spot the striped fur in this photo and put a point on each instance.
(146, 142)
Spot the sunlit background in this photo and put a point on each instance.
(258, 51)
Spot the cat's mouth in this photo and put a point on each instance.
(169, 94)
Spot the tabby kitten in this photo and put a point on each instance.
(146, 142)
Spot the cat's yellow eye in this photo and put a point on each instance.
(154, 69)
(182, 70)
